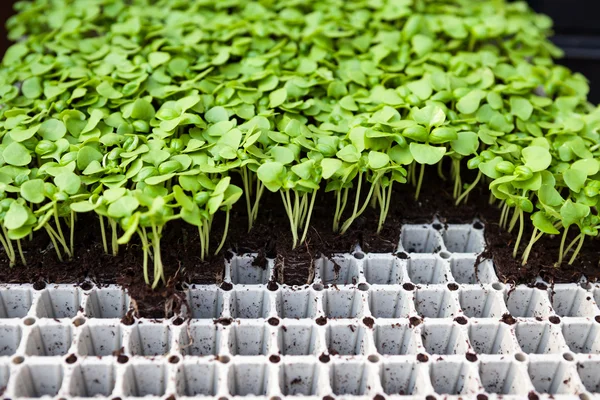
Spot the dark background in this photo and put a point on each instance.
(576, 28)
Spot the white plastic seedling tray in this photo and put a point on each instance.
(425, 322)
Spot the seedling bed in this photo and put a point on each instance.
(429, 320)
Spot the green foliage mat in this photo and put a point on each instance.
(142, 111)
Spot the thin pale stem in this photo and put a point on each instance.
(573, 243)
(6, 243)
(521, 224)
(114, 237)
(247, 194)
(561, 253)
(287, 204)
(534, 238)
(421, 174)
(72, 235)
(224, 233)
(23, 260)
(337, 209)
(440, 171)
(574, 256)
(60, 236)
(202, 244)
(386, 208)
(310, 210)
(158, 267)
(144, 240)
(51, 234)
(471, 187)
(364, 206)
(103, 230)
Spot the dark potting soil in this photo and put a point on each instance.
(271, 238)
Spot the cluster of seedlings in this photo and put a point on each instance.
(144, 112)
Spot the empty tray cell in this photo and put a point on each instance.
(200, 339)
(342, 303)
(597, 294)
(149, 339)
(296, 304)
(465, 270)
(249, 378)
(346, 340)
(39, 380)
(435, 303)
(92, 379)
(245, 272)
(249, 339)
(554, 377)
(463, 239)
(390, 302)
(427, 269)
(395, 339)
(58, 302)
(339, 270)
(197, 379)
(540, 338)
(15, 302)
(453, 378)
(348, 378)
(206, 302)
(297, 339)
(504, 378)
(573, 301)
(476, 302)
(382, 269)
(402, 378)
(589, 372)
(145, 378)
(420, 239)
(528, 303)
(492, 338)
(107, 303)
(100, 340)
(250, 303)
(10, 337)
(582, 337)
(299, 378)
(49, 340)
(439, 338)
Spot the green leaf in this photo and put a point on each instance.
(217, 114)
(429, 116)
(271, 173)
(105, 89)
(421, 88)
(426, 154)
(16, 154)
(575, 179)
(536, 158)
(86, 155)
(469, 103)
(143, 110)
(32, 88)
(123, 207)
(282, 154)
(16, 216)
(521, 107)
(466, 143)
(573, 213)
(158, 58)
(52, 129)
(277, 97)
(349, 154)
(442, 135)
(378, 160)
(68, 182)
(33, 191)
(330, 166)
(422, 44)
(541, 222)
(589, 166)
(82, 206)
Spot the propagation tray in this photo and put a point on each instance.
(421, 323)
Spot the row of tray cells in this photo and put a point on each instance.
(251, 338)
(378, 301)
(92, 378)
(380, 269)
